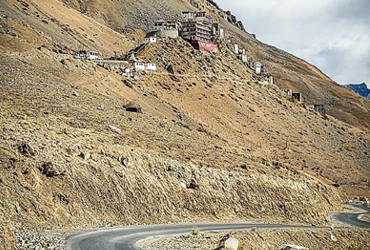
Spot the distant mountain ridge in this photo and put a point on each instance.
(360, 89)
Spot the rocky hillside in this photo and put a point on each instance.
(289, 71)
(64, 167)
(214, 142)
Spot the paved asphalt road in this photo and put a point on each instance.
(126, 238)
(352, 218)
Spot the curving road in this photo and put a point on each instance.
(352, 218)
(126, 238)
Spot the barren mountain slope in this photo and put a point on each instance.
(288, 70)
(63, 167)
(213, 143)
(229, 102)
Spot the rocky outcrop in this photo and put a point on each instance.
(229, 16)
(50, 170)
(133, 107)
(233, 20)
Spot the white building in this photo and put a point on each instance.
(145, 66)
(272, 80)
(132, 60)
(139, 66)
(221, 33)
(218, 30)
(151, 39)
(89, 55)
(289, 92)
(243, 57)
(258, 68)
(93, 55)
(127, 73)
(236, 49)
(151, 66)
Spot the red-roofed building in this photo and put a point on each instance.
(197, 29)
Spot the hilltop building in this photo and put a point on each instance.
(197, 29)
(258, 67)
(250, 63)
(297, 96)
(236, 48)
(243, 57)
(165, 29)
(241, 54)
(289, 92)
(87, 55)
(161, 24)
(269, 78)
(218, 31)
(145, 66)
(319, 108)
(136, 66)
(150, 39)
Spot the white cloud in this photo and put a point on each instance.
(332, 34)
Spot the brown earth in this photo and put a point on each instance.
(214, 142)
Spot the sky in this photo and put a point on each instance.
(334, 35)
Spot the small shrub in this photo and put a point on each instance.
(195, 232)
(244, 166)
(292, 99)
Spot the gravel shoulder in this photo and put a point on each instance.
(266, 239)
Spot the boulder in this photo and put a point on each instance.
(193, 185)
(133, 107)
(26, 149)
(333, 238)
(292, 247)
(170, 69)
(115, 129)
(85, 155)
(126, 162)
(231, 244)
(50, 170)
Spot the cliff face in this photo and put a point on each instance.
(214, 142)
